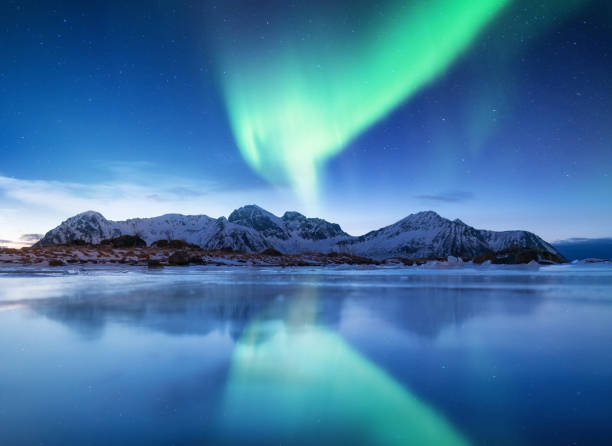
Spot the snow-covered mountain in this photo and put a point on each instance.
(427, 235)
(201, 230)
(253, 229)
(292, 232)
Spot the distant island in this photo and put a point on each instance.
(252, 235)
(585, 248)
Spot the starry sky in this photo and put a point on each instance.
(497, 112)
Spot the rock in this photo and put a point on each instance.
(271, 252)
(179, 258)
(77, 242)
(56, 262)
(174, 244)
(358, 260)
(125, 241)
(154, 263)
(520, 256)
(197, 260)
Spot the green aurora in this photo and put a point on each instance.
(292, 110)
(299, 380)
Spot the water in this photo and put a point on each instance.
(240, 356)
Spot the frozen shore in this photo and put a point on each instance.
(160, 257)
(70, 255)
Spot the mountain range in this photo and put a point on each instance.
(253, 229)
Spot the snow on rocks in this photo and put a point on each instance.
(251, 229)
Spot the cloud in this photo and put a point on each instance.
(186, 191)
(31, 207)
(117, 196)
(582, 240)
(6, 241)
(30, 237)
(448, 197)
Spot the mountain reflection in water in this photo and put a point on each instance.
(306, 356)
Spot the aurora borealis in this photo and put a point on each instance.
(308, 377)
(292, 111)
(360, 112)
(305, 222)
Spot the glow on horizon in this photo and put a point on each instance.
(294, 110)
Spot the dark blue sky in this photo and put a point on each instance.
(117, 106)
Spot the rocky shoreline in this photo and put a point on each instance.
(181, 254)
(62, 255)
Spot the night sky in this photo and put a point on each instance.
(497, 112)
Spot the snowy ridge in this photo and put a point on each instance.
(421, 235)
(253, 229)
(427, 235)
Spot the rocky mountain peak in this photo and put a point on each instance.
(254, 217)
(422, 220)
(87, 215)
(89, 226)
(292, 215)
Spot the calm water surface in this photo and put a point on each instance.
(305, 356)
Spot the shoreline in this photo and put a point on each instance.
(160, 257)
(153, 257)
